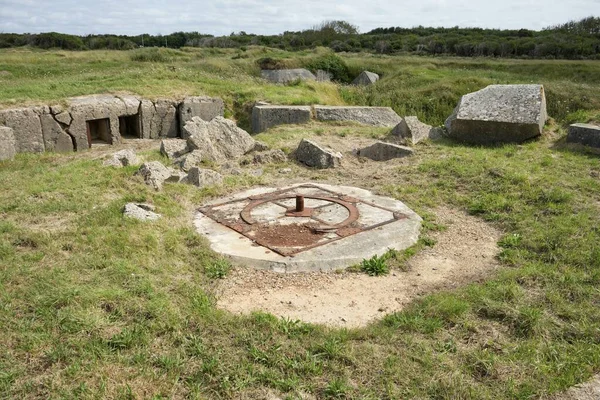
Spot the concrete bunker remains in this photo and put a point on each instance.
(98, 131)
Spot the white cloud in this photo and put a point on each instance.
(221, 17)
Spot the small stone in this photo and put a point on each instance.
(142, 212)
(269, 157)
(260, 146)
(366, 78)
(285, 171)
(412, 129)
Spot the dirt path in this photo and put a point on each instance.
(463, 253)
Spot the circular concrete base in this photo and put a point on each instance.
(383, 223)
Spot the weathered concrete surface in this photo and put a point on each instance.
(499, 113)
(287, 75)
(142, 212)
(174, 148)
(204, 107)
(381, 151)
(155, 174)
(122, 158)
(96, 107)
(343, 253)
(586, 134)
(55, 138)
(204, 177)
(27, 128)
(269, 157)
(366, 78)
(8, 147)
(314, 155)
(219, 140)
(323, 76)
(267, 116)
(413, 130)
(159, 119)
(374, 116)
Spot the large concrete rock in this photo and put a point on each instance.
(204, 177)
(7, 144)
(287, 75)
(27, 128)
(586, 134)
(267, 116)
(499, 113)
(381, 151)
(155, 174)
(374, 116)
(219, 140)
(99, 107)
(204, 107)
(314, 155)
(174, 148)
(413, 130)
(55, 138)
(159, 119)
(366, 78)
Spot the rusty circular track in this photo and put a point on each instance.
(245, 214)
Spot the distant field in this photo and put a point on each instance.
(95, 306)
(423, 86)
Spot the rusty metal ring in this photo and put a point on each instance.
(245, 214)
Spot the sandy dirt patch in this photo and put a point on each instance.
(463, 253)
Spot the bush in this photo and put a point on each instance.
(375, 266)
(333, 64)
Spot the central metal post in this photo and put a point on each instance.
(299, 203)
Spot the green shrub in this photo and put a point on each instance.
(333, 64)
(375, 266)
(218, 269)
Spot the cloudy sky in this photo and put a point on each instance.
(221, 17)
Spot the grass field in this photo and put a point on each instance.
(95, 306)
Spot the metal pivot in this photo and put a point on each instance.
(299, 203)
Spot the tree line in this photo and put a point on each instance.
(572, 40)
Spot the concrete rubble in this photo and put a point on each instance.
(499, 114)
(142, 212)
(314, 155)
(585, 134)
(382, 151)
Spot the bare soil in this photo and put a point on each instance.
(586, 391)
(463, 253)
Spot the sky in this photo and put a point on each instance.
(222, 17)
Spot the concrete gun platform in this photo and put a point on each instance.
(306, 227)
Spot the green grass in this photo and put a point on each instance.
(93, 305)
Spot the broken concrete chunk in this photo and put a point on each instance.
(374, 116)
(206, 108)
(366, 78)
(142, 212)
(287, 75)
(7, 144)
(122, 158)
(586, 134)
(313, 155)
(64, 118)
(269, 157)
(189, 160)
(204, 177)
(27, 128)
(220, 140)
(154, 174)
(55, 139)
(412, 129)
(499, 114)
(174, 148)
(381, 151)
(267, 116)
